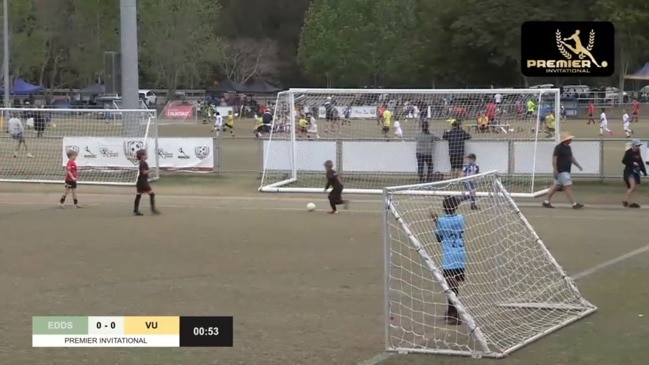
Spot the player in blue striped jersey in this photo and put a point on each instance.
(470, 169)
(449, 231)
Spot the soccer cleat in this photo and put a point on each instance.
(155, 212)
(577, 206)
(546, 204)
(30, 155)
(333, 212)
(625, 204)
(474, 207)
(15, 154)
(138, 213)
(453, 322)
(61, 205)
(634, 205)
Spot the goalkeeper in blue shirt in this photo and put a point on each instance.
(449, 231)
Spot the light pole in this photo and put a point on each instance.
(5, 39)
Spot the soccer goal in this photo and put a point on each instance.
(511, 291)
(105, 140)
(506, 127)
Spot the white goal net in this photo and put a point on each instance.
(468, 275)
(376, 137)
(34, 144)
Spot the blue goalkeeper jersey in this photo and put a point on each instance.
(450, 233)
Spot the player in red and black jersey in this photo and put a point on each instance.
(336, 193)
(71, 176)
(635, 110)
(142, 185)
(591, 111)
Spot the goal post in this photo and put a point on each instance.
(105, 140)
(370, 154)
(511, 291)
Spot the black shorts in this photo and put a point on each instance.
(144, 188)
(590, 115)
(453, 277)
(631, 176)
(385, 129)
(303, 129)
(230, 126)
(457, 162)
(70, 184)
(330, 118)
(336, 195)
(635, 113)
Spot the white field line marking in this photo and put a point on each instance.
(380, 358)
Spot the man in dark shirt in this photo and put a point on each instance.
(456, 137)
(562, 161)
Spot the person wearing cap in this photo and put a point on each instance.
(633, 166)
(562, 161)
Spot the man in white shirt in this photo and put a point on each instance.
(603, 124)
(498, 98)
(626, 120)
(17, 132)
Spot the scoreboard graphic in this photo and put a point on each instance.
(105, 331)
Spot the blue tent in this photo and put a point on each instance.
(23, 88)
(641, 74)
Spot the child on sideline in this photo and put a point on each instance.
(470, 169)
(71, 176)
(142, 185)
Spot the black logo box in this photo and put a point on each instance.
(539, 42)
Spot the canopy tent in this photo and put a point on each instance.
(261, 87)
(641, 74)
(94, 89)
(21, 87)
(227, 86)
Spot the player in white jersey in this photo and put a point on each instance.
(603, 124)
(398, 132)
(626, 120)
(218, 124)
(313, 126)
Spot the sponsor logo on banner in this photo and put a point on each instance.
(202, 152)
(355, 112)
(164, 154)
(182, 155)
(87, 153)
(108, 153)
(179, 111)
(72, 148)
(130, 149)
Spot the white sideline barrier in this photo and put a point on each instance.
(181, 154)
(355, 112)
(506, 157)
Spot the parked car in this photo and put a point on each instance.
(608, 94)
(149, 97)
(575, 91)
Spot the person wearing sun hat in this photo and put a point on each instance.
(633, 166)
(562, 161)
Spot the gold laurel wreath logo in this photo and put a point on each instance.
(562, 50)
(591, 43)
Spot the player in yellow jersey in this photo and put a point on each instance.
(302, 126)
(387, 122)
(550, 125)
(229, 123)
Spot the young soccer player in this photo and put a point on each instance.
(591, 112)
(626, 122)
(71, 176)
(302, 126)
(387, 122)
(313, 126)
(142, 185)
(603, 124)
(636, 110)
(218, 124)
(336, 194)
(398, 132)
(633, 166)
(17, 133)
(471, 168)
(229, 123)
(449, 231)
(550, 125)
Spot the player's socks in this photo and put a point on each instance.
(152, 202)
(62, 201)
(136, 204)
(76, 202)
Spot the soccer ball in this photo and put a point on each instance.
(310, 207)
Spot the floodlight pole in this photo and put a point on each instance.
(5, 40)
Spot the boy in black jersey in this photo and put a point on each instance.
(336, 194)
(142, 185)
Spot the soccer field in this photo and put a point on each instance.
(304, 288)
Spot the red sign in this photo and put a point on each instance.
(179, 111)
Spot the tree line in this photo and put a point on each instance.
(337, 43)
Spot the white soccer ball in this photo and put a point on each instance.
(310, 207)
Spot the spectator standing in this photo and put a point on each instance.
(425, 147)
(456, 136)
(562, 161)
(17, 133)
